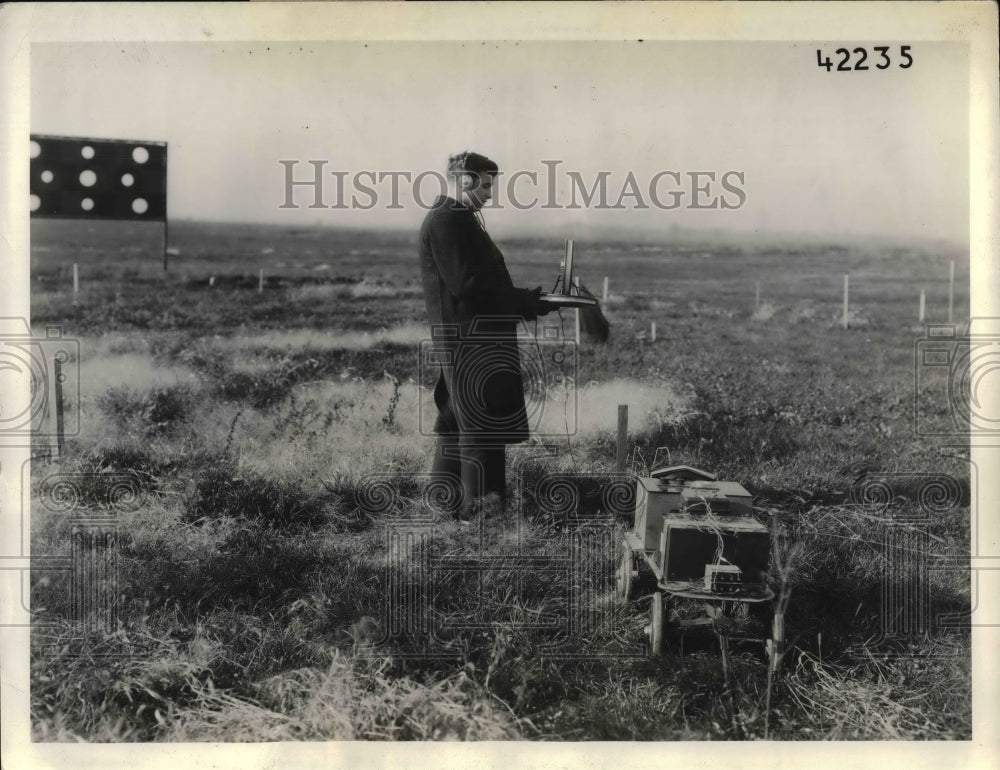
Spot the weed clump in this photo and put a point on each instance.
(222, 492)
(156, 411)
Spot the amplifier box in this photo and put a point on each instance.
(723, 578)
(689, 545)
(656, 498)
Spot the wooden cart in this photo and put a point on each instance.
(695, 537)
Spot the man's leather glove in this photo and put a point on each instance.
(541, 308)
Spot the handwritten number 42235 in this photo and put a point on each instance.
(880, 54)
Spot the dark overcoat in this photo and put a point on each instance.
(473, 308)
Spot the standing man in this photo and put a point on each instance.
(473, 308)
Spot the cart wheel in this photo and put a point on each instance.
(655, 628)
(626, 575)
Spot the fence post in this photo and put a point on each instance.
(55, 423)
(604, 294)
(260, 282)
(923, 305)
(76, 278)
(622, 448)
(652, 331)
(847, 280)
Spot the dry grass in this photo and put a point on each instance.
(334, 339)
(350, 700)
(588, 410)
(252, 562)
(871, 701)
(764, 312)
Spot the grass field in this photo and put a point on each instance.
(258, 432)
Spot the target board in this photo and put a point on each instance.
(83, 178)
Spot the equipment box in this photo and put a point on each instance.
(656, 498)
(700, 539)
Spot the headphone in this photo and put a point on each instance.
(457, 163)
(468, 167)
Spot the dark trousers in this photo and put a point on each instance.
(472, 469)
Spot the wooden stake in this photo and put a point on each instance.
(847, 280)
(260, 282)
(622, 449)
(652, 332)
(568, 276)
(576, 283)
(55, 422)
(60, 419)
(923, 305)
(604, 294)
(951, 292)
(76, 278)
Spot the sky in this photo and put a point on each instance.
(814, 152)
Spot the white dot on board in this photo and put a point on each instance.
(127, 180)
(47, 176)
(88, 178)
(87, 152)
(86, 204)
(140, 154)
(36, 203)
(139, 206)
(36, 149)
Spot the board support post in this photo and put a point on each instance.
(622, 446)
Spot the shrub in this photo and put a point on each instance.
(155, 411)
